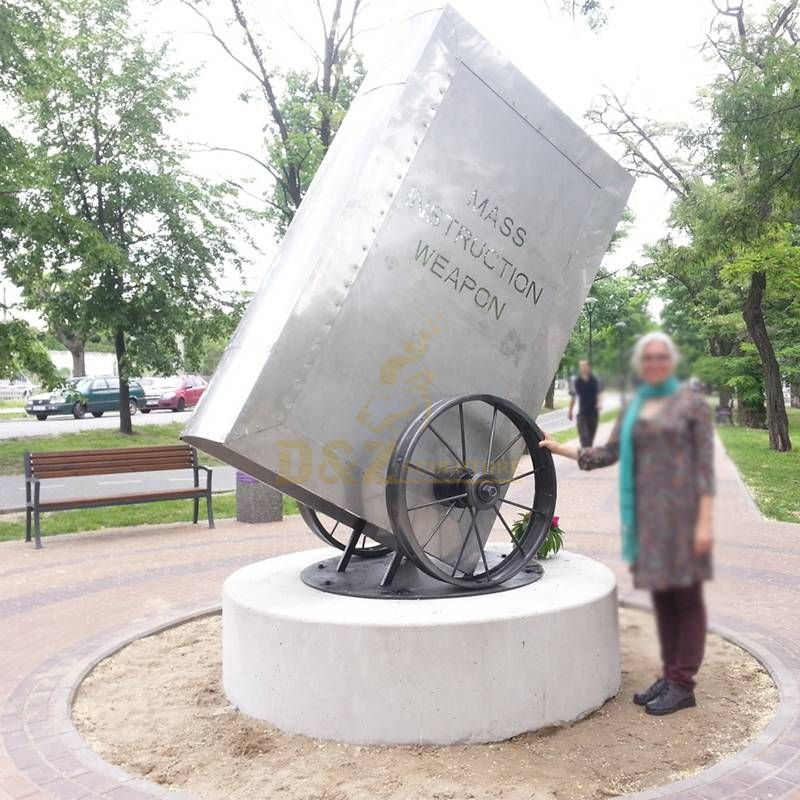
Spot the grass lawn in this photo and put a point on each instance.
(773, 478)
(92, 519)
(11, 450)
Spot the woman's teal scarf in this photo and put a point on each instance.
(627, 477)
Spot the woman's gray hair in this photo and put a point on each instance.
(644, 341)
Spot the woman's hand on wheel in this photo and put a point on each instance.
(554, 447)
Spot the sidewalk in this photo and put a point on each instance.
(82, 595)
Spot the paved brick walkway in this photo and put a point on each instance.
(63, 607)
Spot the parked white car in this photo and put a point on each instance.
(19, 388)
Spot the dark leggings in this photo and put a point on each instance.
(681, 621)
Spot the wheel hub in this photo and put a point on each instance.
(481, 489)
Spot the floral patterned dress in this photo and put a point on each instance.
(674, 467)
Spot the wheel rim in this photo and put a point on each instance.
(453, 480)
(133, 407)
(78, 411)
(337, 534)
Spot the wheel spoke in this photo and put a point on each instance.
(439, 525)
(333, 529)
(438, 502)
(480, 543)
(452, 452)
(519, 477)
(424, 471)
(491, 438)
(463, 433)
(514, 541)
(463, 545)
(519, 505)
(506, 449)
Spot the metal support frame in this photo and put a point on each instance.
(391, 570)
(358, 530)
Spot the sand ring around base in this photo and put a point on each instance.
(155, 707)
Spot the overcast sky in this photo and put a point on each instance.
(649, 51)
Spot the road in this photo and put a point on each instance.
(12, 487)
(18, 428)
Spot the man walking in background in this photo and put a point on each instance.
(588, 389)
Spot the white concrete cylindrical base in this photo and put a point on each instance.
(463, 669)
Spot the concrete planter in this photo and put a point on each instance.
(257, 502)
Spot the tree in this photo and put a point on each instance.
(101, 226)
(302, 108)
(593, 11)
(22, 353)
(620, 298)
(736, 181)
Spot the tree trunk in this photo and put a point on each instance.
(78, 362)
(724, 397)
(77, 348)
(753, 313)
(125, 425)
(794, 394)
(548, 399)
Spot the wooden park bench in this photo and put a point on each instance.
(81, 463)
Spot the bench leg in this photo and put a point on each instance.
(196, 502)
(37, 534)
(210, 511)
(28, 524)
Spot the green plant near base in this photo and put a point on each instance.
(551, 544)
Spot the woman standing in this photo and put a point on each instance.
(664, 442)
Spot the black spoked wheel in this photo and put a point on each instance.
(337, 534)
(458, 476)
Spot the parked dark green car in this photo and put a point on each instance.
(83, 396)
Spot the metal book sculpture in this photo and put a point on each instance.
(387, 371)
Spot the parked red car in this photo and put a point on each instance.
(176, 393)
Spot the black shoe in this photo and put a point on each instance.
(672, 699)
(643, 698)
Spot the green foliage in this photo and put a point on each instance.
(620, 298)
(307, 110)
(100, 225)
(21, 352)
(552, 543)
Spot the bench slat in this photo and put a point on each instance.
(121, 469)
(175, 494)
(179, 458)
(120, 452)
(76, 463)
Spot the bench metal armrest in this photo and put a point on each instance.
(208, 472)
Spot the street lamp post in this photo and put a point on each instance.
(620, 326)
(590, 301)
